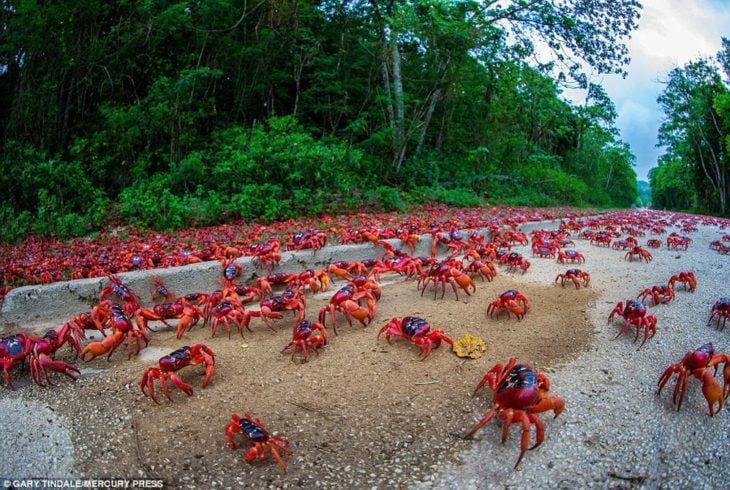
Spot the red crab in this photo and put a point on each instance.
(675, 241)
(161, 291)
(266, 254)
(43, 350)
(416, 330)
(570, 256)
(515, 261)
(454, 241)
(243, 293)
(653, 243)
(255, 432)
(443, 273)
(659, 294)
(316, 280)
(574, 275)
(121, 291)
(698, 364)
(407, 266)
(169, 364)
(304, 337)
(40, 352)
(272, 307)
(519, 394)
(509, 301)
(641, 252)
(231, 271)
(228, 310)
(111, 315)
(721, 310)
(483, 268)
(346, 301)
(408, 237)
(13, 348)
(187, 315)
(629, 242)
(634, 313)
(543, 252)
(265, 283)
(688, 279)
(313, 238)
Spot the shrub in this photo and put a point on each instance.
(151, 204)
(384, 198)
(259, 201)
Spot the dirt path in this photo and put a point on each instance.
(362, 413)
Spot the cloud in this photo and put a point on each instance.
(671, 33)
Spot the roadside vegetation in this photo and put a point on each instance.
(173, 114)
(694, 172)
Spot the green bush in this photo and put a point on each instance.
(150, 204)
(259, 201)
(282, 152)
(14, 226)
(384, 198)
(556, 184)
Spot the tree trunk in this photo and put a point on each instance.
(399, 133)
(427, 121)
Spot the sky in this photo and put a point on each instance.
(671, 33)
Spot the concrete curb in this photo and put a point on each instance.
(34, 309)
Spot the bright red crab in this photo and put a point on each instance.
(688, 279)
(658, 294)
(231, 271)
(186, 314)
(653, 243)
(111, 315)
(570, 256)
(575, 275)
(313, 238)
(173, 362)
(316, 280)
(347, 301)
(483, 268)
(253, 429)
(509, 301)
(641, 252)
(515, 261)
(416, 330)
(634, 313)
(699, 363)
(227, 311)
(13, 348)
(519, 394)
(444, 273)
(721, 311)
(266, 254)
(304, 337)
(272, 307)
(120, 290)
(40, 352)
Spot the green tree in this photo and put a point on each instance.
(671, 186)
(693, 131)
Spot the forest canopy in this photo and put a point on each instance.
(166, 114)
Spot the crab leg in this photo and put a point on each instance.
(485, 420)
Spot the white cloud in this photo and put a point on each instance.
(671, 33)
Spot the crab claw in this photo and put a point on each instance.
(96, 349)
(712, 391)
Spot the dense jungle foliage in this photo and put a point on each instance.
(694, 172)
(166, 114)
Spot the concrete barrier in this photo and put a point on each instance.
(34, 309)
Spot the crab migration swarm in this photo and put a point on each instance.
(123, 303)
